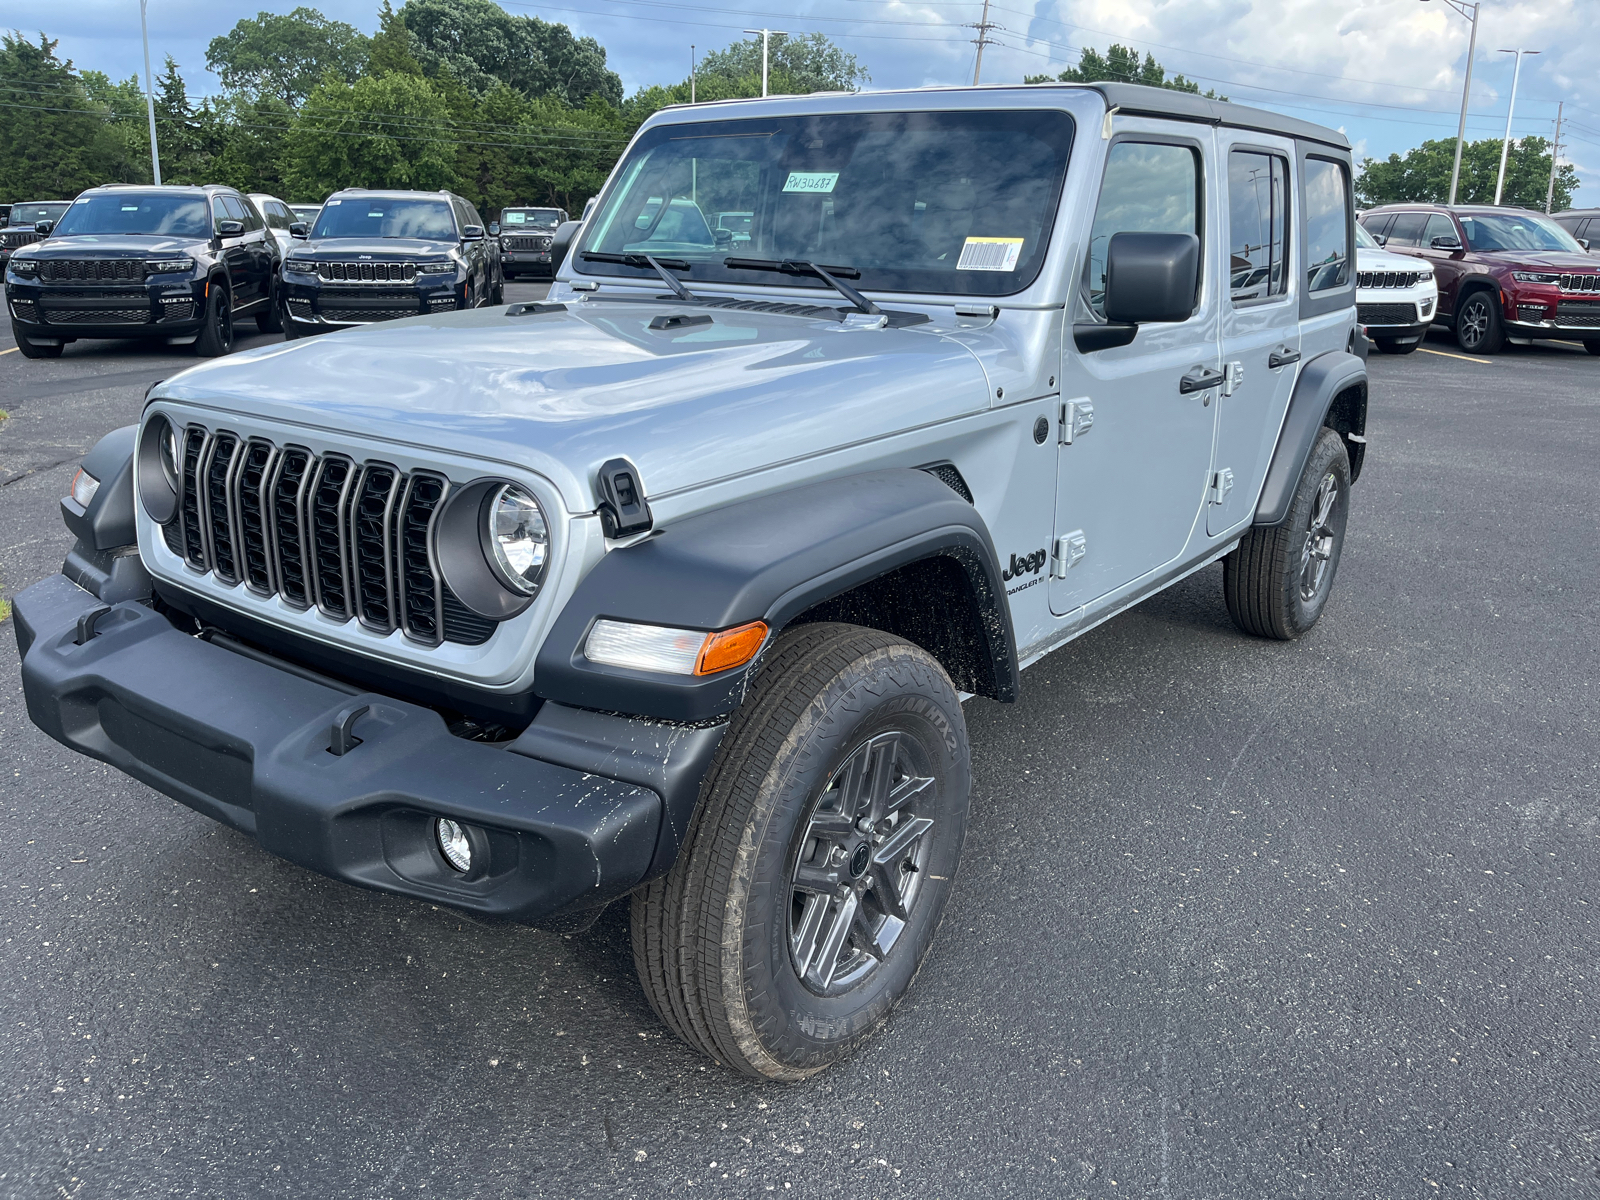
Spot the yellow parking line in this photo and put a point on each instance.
(13, 350)
(1482, 362)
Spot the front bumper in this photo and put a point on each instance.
(245, 740)
(44, 312)
(536, 262)
(339, 305)
(1553, 316)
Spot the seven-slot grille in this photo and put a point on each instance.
(528, 242)
(11, 239)
(90, 270)
(1580, 283)
(367, 272)
(1388, 279)
(324, 531)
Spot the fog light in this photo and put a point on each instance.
(453, 844)
(84, 486)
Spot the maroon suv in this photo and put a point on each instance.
(1502, 272)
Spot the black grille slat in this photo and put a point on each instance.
(372, 545)
(218, 516)
(461, 624)
(326, 508)
(194, 539)
(250, 502)
(420, 597)
(288, 486)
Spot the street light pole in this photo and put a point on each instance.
(1555, 153)
(691, 72)
(766, 35)
(1505, 144)
(1471, 12)
(149, 95)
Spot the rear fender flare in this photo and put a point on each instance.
(1323, 380)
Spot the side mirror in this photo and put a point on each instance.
(723, 238)
(228, 229)
(1381, 238)
(561, 242)
(472, 233)
(1446, 242)
(494, 228)
(43, 228)
(1150, 278)
(1584, 242)
(299, 229)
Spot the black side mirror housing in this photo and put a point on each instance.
(299, 229)
(1445, 242)
(561, 242)
(472, 233)
(43, 228)
(229, 229)
(494, 228)
(1150, 278)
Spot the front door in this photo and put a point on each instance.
(1260, 322)
(1133, 476)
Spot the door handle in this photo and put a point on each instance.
(1282, 357)
(1199, 380)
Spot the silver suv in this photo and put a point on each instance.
(672, 587)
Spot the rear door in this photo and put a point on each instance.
(1448, 265)
(1130, 484)
(1260, 320)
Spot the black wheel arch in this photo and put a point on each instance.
(1469, 285)
(896, 550)
(1331, 391)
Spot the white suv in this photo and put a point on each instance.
(1395, 295)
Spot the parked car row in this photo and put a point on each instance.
(183, 263)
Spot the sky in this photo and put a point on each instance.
(1386, 72)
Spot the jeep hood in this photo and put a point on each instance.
(377, 249)
(114, 245)
(561, 392)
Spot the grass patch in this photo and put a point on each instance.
(5, 609)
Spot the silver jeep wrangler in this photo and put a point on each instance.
(672, 587)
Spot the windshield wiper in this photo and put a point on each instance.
(828, 275)
(659, 265)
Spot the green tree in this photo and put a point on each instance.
(1121, 64)
(479, 42)
(390, 49)
(1423, 175)
(54, 140)
(127, 126)
(795, 66)
(286, 56)
(392, 132)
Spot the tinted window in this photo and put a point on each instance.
(1257, 243)
(1438, 226)
(1364, 240)
(1147, 188)
(1524, 231)
(356, 216)
(953, 202)
(1327, 224)
(1378, 225)
(276, 214)
(1407, 229)
(137, 212)
(31, 214)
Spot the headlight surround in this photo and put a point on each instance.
(168, 266)
(448, 267)
(303, 266)
(156, 468)
(518, 538)
(27, 268)
(1536, 276)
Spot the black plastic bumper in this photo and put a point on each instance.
(240, 740)
(1398, 333)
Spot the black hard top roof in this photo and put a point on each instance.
(1186, 106)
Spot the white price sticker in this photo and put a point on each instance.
(990, 254)
(819, 182)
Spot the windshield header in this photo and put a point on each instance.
(381, 217)
(949, 202)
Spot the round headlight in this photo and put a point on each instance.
(518, 538)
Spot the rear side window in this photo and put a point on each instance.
(1148, 187)
(1327, 187)
(1438, 226)
(1407, 229)
(1258, 244)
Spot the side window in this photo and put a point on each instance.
(1148, 187)
(1438, 225)
(235, 211)
(1407, 229)
(464, 214)
(1257, 225)
(1327, 187)
(1378, 226)
(219, 212)
(277, 216)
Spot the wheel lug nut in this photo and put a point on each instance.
(864, 825)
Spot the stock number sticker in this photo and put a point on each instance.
(820, 182)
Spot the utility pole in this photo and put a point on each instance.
(1505, 144)
(766, 36)
(1470, 11)
(1555, 154)
(149, 95)
(691, 72)
(983, 39)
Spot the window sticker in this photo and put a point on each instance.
(130, 208)
(377, 213)
(330, 203)
(990, 254)
(516, 218)
(817, 182)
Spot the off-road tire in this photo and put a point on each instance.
(1390, 346)
(712, 939)
(1479, 329)
(32, 349)
(497, 297)
(216, 334)
(270, 318)
(1263, 579)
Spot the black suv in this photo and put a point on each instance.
(376, 256)
(22, 221)
(525, 235)
(129, 261)
(1583, 224)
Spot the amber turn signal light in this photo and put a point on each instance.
(730, 648)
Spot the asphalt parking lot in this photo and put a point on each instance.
(1236, 918)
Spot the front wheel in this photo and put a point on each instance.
(1478, 327)
(497, 297)
(822, 853)
(1592, 347)
(33, 349)
(216, 335)
(1278, 580)
(270, 318)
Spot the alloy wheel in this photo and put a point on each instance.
(1318, 549)
(1474, 321)
(859, 864)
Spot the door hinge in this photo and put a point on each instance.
(1077, 416)
(1221, 485)
(1232, 378)
(1070, 547)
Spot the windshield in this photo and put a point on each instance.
(379, 217)
(1364, 239)
(956, 202)
(32, 214)
(160, 213)
(1523, 231)
(539, 218)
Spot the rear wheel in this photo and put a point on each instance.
(1478, 326)
(1592, 347)
(1278, 580)
(821, 856)
(497, 297)
(216, 335)
(33, 349)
